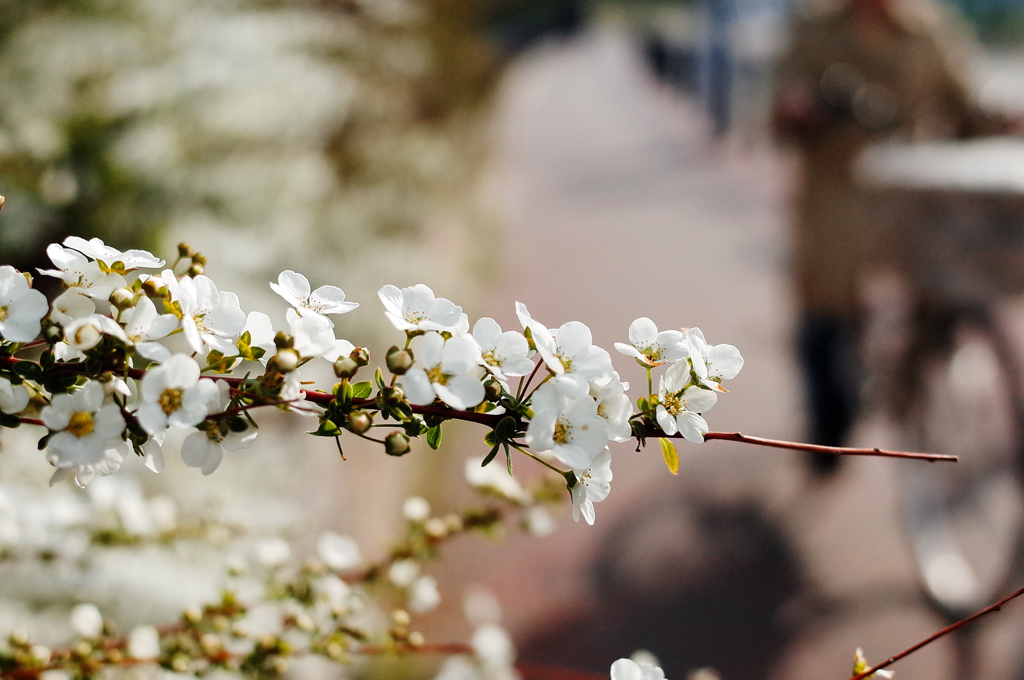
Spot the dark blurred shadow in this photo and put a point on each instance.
(696, 581)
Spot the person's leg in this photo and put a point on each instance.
(828, 358)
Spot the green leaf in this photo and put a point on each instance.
(362, 390)
(378, 378)
(434, 437)
(643, 405)
(9, 420)
(491, 455)
(505, 429)
(29, 370)
(668, 450)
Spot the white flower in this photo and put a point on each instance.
(416, 509)
(204, 448)
(341, 553)
(294, 288)
(84, 474)
(81, 273)
(627, 669)
(261, 334)
(494, 647)
(494, 479)
(210, 318)
(681, 403)
(144, 643)
(86, 620)
(565, 422)
(615, 407)
(423, 594)
(173, 394)
(592, 486)
(712, 363)
(13, 398)
(505, 355)
(21, 307)
(416, 309)
(84, 429)
(860, 664)
(71, 305)
(569, 350)
(273, 552)
(651, 347)
(314, 337)
(449, 370)
(403, 572)
(143, 324)
(85, 333)
(539, 522)
(130, 259)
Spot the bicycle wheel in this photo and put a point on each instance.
(965, 520)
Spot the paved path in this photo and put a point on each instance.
(618, 206)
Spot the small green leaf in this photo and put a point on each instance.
(668, 450)
(29, 370)
(9, 420)
(378, 378)
(643, 405)
(362, 390)
(434, 437)
(491, 455)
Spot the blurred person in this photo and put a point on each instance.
(868, 71)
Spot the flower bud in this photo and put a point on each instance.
(360, 421)
(492, 390)
(53, 334)
(151, 287)
(196, 270)
(83, 334)
(185, 250)
(286, 360)
(400, 617)
(399, 361)
(361, 356)
(346, 367)
(393, 395)
(122, 298)
(397, 444)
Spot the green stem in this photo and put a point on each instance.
(650, 387)
(537, 458)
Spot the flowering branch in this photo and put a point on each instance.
(942, 633)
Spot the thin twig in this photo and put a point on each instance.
(816, 448)
(945, 631)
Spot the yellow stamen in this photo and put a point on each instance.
(80, 424)
(170, 400)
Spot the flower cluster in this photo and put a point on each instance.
(134, 348)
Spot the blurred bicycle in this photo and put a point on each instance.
(953, 222)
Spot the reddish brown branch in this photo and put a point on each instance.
(992, 608)
(815, 448)
(491, 420)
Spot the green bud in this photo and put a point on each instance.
(399, 360)
(346, 367)
(185, 250)
(196, 270)
(53, 334)
(361, 356)
(361, 421)
(282, 340)
(393, 395)
(122, 298)
(397, 444)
